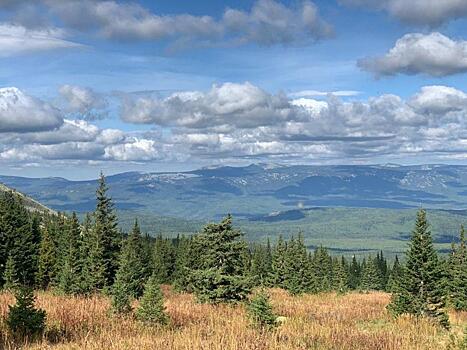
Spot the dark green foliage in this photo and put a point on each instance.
(187, 256)
(260, 311)
(94, 263)
(457, 274)
(322, 267)
(69, 280)
(279, 264)
(10, 275)
(151, 307)
(354, 273)
(299, 277)
(395, 276)
(420, 292)
(220, 275)
(121, 296)
(163, 260)
(261, 264)
(18, 238)
(106, 236)
(132, 271)
(23, 320)
(339, 275)
(371, 277)
(46, 271)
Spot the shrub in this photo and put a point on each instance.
(24, 321)
(260, 311)
(151, 308)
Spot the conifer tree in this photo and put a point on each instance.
(72, 265)
(371, 278)
(299, 278)
(279, 264)
(94, 265)
(47, 258)
(151, 307)
(260, 311)
(107, 235)
(10, 275)
(421, 291)
(132, 272)
(339, 275)
(322, 267)
(395, 276)
(354, 274)
(163, 260)
(220, 276)
(457, 272)
(261, 261)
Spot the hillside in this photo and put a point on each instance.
(28, 202)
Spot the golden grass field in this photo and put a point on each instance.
(326, 321)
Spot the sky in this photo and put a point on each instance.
(174, 85)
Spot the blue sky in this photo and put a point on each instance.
(170, 85)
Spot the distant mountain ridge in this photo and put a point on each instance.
(28, 202)
(261, 189)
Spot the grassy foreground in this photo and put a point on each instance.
(326, 321)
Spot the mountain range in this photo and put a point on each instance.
(268, 199)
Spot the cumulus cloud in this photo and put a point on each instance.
(432, 54)
(16, 39)
(84, 102)
(418, 12)
(20, 112)
(267, 23)
(237, 105)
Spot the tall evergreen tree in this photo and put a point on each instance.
(107, 235)
(371, 277)
(299, 278)
(163, 260)
(457, 272)
(94, 264)
(261, 264)
(339, 275)
(47, 265)
(421, 291)
(395, 276)
(69, 280)
(322, 267)
(354, 273)
(132, 272)
(279, 264)
(220, 276)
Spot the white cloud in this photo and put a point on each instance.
(316, 93)
(418, 12)
(236, 105)
(22, 113)
(83, 101)
(433, 54)
(15, 40)
(267, 23)
(133, 150)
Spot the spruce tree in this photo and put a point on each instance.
(93, 277)
(299, 278)
(354, 273)
(395, 276)
(260, 311)
(260, 268)
(151, 307)
(421, 291)
(220, 276)
(106, 234)
(322, 267)
(47, 264)
(72, 265)
(10, 275)
(457, 272)
(339, 275)
(371, 278)
(163, 260)
(279, 264)
(132, 272)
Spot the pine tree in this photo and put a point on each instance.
(132, 272)
(163, 260)
(354, 273)
(47, 264)
(24, 321)
(106, 234)
(457, 272)
(421, 291)
(339, 275)
(10, 275)
(278, 264)
(151, 307)
(395, 276)
(94, 264)
(322, 267)
(299, 278)
(220, 277)
(260, 311)
(121, 296)
(71, 269)
(371, 278)
(185, 259)
(260, 268)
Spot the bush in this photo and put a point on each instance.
(24, 321)
(260, 311)
(151, 308)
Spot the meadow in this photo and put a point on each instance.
(323, 321)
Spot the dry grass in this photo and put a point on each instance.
(327, 321)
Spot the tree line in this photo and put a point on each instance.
(57, 251)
